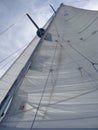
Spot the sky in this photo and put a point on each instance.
(16, 30)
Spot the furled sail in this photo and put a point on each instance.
(59, 88)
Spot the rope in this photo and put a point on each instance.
(88, 25)
(74, 97)
(86, 58)
(40, 101)
(12, 58)
(53, 82)
(13, 53)
(1, 33)
(44, 89)
(80, 53)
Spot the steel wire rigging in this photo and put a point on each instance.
(14, 52)
(12, 25)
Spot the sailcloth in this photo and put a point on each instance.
(59, 88)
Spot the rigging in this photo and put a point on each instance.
(40, 31)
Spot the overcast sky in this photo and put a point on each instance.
(16, 31)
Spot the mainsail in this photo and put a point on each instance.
(56, 81)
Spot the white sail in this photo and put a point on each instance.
(60, 88)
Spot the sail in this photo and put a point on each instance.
(59, 88)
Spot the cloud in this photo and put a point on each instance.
(24, 31)
(92, 4)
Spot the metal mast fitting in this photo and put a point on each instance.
(40, 31)
(52, 8)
